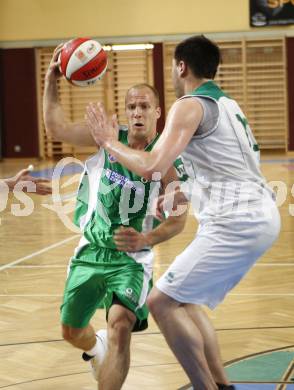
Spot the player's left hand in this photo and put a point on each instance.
(104, 128)
(24, 176)
(128, 239)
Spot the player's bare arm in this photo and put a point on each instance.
(23, 177)
(172, 201)
(181, 124)
(55, 122)
(177, 216)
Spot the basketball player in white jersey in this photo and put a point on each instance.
(238, 218)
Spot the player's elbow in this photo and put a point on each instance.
(147, 174)
(53, 130)
(55, 124)
(154, 170)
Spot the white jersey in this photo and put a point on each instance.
(238, 218)
(223, 162)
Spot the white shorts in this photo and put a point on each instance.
(222, 252)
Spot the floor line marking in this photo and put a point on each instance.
(47, 248)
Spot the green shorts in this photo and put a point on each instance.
(97, 276)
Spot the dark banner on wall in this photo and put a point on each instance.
(271, 12)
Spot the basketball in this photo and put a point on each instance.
(83, 61)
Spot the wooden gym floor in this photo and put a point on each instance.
(256, 320)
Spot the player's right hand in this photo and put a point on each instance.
(127, 239)
(53, 71)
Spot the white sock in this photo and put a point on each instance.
(93, 351)
(100, 348)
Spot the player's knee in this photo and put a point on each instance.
(153, 302)
(156, 303)
(71, 334)
(119, 333)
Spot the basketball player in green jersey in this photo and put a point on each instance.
(238, 217)
(113, 262)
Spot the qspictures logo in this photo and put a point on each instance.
(131, 198)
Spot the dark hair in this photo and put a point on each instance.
(145, 85)
(200, 54)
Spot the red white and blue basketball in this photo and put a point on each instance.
(83, 61)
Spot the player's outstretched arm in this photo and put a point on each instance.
(54, 118)
(181, 124)
(40, 184)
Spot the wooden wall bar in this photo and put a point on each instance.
(290, 73)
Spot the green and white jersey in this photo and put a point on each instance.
(223, 161)
(111, 196)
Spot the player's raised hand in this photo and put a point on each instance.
(128, 239)
(53, 72)
(104, 128)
